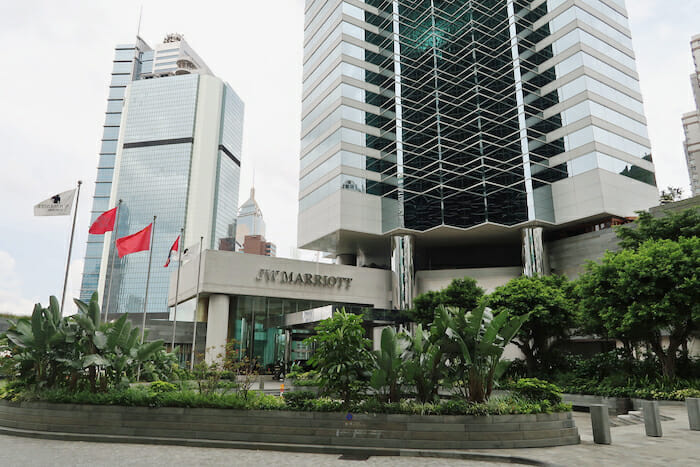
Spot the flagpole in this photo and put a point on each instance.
(148, 279)
(196, 304)
(114, 260)
(70, 247)
(177, 286)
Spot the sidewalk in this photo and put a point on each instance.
(630, 446)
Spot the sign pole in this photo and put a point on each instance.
(105, 302)
(177, 287)
(70, 247)
(196, 304)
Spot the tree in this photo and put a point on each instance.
(670, 195)
(548, 301)
(342, 355)
(473, 343)
(671, 226)
(646, 294)
(461, 293)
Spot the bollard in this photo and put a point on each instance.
(262, 384)
(693, 406)
(600, 422)
(652, 422)
(281, 389)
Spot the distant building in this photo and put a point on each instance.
(250, 220)
(691, 123)
(256, 245)
(171, 148)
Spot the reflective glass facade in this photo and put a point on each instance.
(129, 60)
(461, 113)
(149, 156)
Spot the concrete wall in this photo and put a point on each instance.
(230, 273)
(488, 278)
(569, 255)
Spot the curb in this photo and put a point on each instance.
(302, 448)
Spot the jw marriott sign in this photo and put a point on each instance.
(296, 278)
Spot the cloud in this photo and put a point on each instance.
(11, 299)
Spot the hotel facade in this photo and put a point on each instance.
(442, 139)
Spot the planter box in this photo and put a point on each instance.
(204, 426)
(616, 405)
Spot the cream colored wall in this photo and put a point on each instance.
(487, 278)
(200, 198)
(225, 272)
(597, 192)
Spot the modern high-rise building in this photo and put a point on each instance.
(171, 149)
(250, 220)
(463, 134)
(691, 123)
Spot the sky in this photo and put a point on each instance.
(54, 79)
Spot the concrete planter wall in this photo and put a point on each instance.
(187, 426)
(616, 405)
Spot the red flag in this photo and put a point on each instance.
(140, 241)
(104, 223)
(175, 248)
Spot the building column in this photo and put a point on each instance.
(217, 327)
(533, 252)
(403, 271)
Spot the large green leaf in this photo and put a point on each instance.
(100, 340)
(119, 333)
(95, 360)
(148, 349)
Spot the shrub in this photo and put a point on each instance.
(298, 399)
(534, 389)
(157, 387)
(342, 356)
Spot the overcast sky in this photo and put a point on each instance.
(54, 77)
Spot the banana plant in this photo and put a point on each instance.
(473, 343)
(388, 373)
(34, 343)
(424, 365)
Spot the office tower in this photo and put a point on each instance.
(250, 220)
(461, 134)
(174, 150)
(691, 123)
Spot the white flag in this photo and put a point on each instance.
(189, 253)
(58, 205)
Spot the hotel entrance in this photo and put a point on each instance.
(271, 331)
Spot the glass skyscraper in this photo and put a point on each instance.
(436, 125)
(175, 154)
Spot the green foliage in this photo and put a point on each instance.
(548, 300)
(161, 386)
(424, 306)
(461, 293)
(424, 365)
(672, 226)
(342, 355)
(306, 401)
(388, 375)
(307, 378)
(534, 389)
(473, 343)
(298, 399)
(48, 350)
(636, 295)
